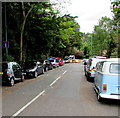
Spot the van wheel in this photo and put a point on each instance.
(99, 98)
(22, 78)
(12, 82)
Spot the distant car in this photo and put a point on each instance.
(90, 68)
(12, 72)
(72, 57)
(54, 62)
(33, 68)
(60, 61)
(66, 60)
(107, 79)
(47, 65)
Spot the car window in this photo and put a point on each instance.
(15, 66)
(27, 65)
(4, 66)
(115, 68)
(57, 60)
(99, 66)
(51, 60)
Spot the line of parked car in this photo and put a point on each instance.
(105, 75)
(12, 71)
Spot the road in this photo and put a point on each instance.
(63, 91)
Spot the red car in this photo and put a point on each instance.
(60, 61)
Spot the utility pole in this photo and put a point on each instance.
(6, 30)
(91, 45)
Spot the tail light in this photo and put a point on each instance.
(105, 87)
(8, 72)
(91, 62)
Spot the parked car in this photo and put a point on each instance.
(60, 61)
(12, 72)
(107, 79)
(47, 65)
(90, 68)
(66, 60)
(33, 68)
(85, 61)
(54, 62)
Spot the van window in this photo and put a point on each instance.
(115, 68)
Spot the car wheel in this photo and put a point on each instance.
(85, 74)
(51, 67)
(12, 82)
(35, 74)
(46, 69)
(43, 71)
(22, 78)
(99, 98)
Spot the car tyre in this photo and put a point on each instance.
(46, 69)
(35, 74)
(22, 78)
(43, 71)
(99, 98)
(12, 81)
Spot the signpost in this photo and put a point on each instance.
(5, 44)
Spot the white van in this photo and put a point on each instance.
(90, 68)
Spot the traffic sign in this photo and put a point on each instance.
(5, 44)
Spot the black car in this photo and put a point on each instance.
(33, 68)
(47, 65)
(11, 72)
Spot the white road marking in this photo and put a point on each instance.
(64, 72)
(55, 81)
(19, 111)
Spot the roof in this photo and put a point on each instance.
(113, 59)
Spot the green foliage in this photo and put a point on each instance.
(116, 12)
(45, 32)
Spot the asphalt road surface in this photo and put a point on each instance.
(63, 91)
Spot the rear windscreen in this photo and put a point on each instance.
(115, 68)
(51, 60)
(4, 67)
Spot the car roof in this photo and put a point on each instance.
(113, 60)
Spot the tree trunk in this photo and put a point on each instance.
(22, 30)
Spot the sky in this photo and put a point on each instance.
(89, 12)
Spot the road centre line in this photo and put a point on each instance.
(19, 111)
(55, 81)
(41, 93)
(64, 72)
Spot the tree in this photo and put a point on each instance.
(103, 40)
(116, 12)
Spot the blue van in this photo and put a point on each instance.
(107, 79)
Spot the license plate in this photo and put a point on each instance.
(1, 73)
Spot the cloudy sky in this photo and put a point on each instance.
(89, 12)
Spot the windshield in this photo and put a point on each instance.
(57, 60)
(28, 65)
(51, 60)
(115, 68)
